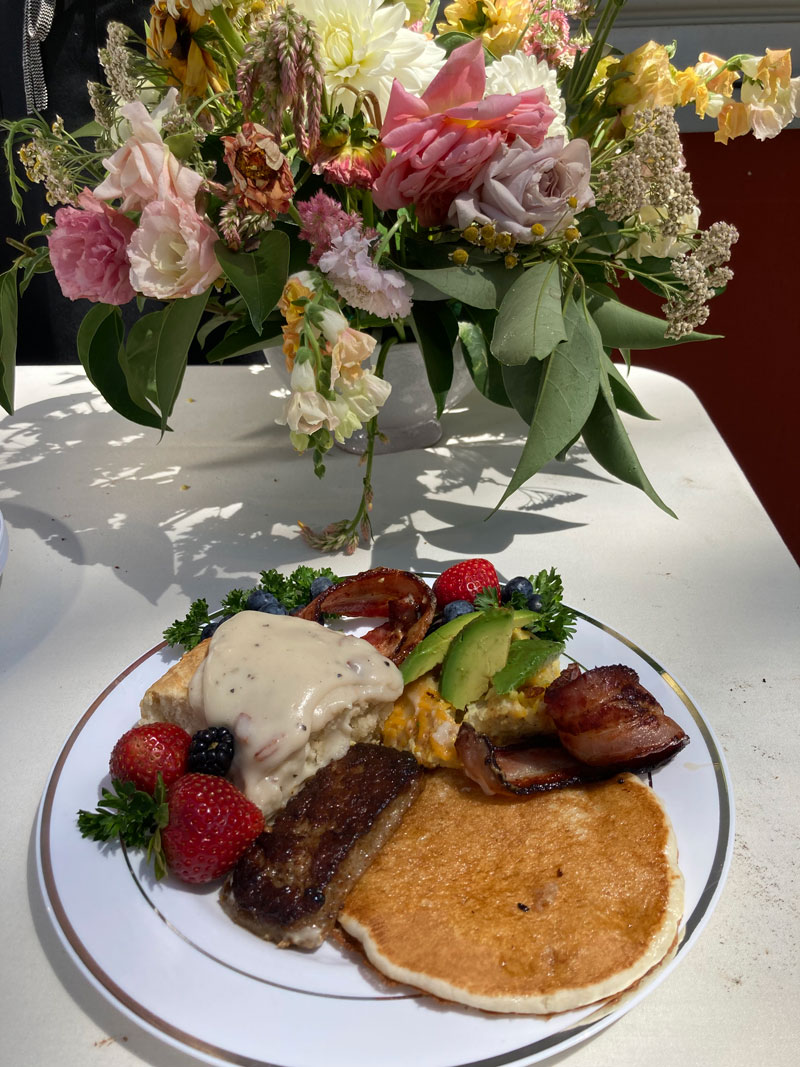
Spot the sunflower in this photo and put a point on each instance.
(171, 43)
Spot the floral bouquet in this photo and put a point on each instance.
(345, 174)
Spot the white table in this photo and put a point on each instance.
(112, 534)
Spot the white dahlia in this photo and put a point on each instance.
(517, 72)
(366, 46)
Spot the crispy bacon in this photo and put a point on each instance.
(518, 769)
(606, 722)
(403, 599)
(606, 718)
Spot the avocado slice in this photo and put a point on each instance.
(525, 658)
(477, 653)
(431, 650)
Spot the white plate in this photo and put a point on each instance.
(167, 955)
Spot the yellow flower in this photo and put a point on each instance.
(295, 289)
(171, 43)
(734, 121)
(650, 81)
(501, 23)
(775, 71)
(687, 83)
(722, 83)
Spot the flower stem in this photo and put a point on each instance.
(227, 30)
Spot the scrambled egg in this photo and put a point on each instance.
(424, 724)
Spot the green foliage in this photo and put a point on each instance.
(8, 337)
(260, 275)
(530, 322)
(132, 816)
(555, 622)
(293, 591)
(436, 330)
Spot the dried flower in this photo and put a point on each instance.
(261, 175)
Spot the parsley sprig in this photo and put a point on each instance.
(292, 591)
(556, 622)
(132, 816)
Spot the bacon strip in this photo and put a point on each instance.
(606, 722)
(606, 718)
(405, 600)
(520, 770)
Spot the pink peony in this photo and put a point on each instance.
(88, 250)
(172, 251)
(444, 138)
(144, 169)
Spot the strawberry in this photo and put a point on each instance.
(145, 751)
(198, 828)
(464, 580)
(210, 825)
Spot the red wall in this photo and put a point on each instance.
(750, 382)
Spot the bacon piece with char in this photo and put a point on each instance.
(405, 600)
(606, 722)
(606, 718)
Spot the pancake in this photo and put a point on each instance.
(530, 906)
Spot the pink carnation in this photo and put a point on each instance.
(88, 250)
(444, 138)
(322, 219)
(172, 251)
(362, 284)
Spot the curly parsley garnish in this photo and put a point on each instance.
(556, 622)
(292, 590)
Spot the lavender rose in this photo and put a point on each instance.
(88, 251)
(521, 186)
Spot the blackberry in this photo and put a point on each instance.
(211, 751)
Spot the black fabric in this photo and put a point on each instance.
(48, 322)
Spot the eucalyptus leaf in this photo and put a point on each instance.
(178, 326)
(530, 323)
(486, 372)
(8, 337)
(625, 327)
(555, 395)
(436, 331)
(241, 339)
(260, 275)
(607, 440)
(470, 285)
(99, 342)
(624, 396)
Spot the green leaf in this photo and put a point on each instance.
(8, 337)
(486, 372)
(178, 326)
(555, 396)
(530, 323)
(89, 129)
(137, 358)
(99, 342)
(38, 263)
(451, 40)
(624, 396)
(240, 339)
(625, 327)
(436, 331)
(470, 285)
(607, 440)
(260, 275)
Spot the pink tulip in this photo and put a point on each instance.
(444, 138)
(88, 251)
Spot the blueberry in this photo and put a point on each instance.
(260, 600)
(534, 602)
(211, 627)
(319, 585)
(456, 608)
(516, 585)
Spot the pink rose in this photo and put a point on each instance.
(444, 138)
(172, 251)
(144, 169)
(88, 250)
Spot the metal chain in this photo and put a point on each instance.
(37, 20)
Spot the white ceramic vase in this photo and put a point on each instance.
(408, 418)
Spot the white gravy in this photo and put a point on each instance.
(277, 682)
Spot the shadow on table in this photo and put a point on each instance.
(218, 512)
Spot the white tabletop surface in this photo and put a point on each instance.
(112, 534)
